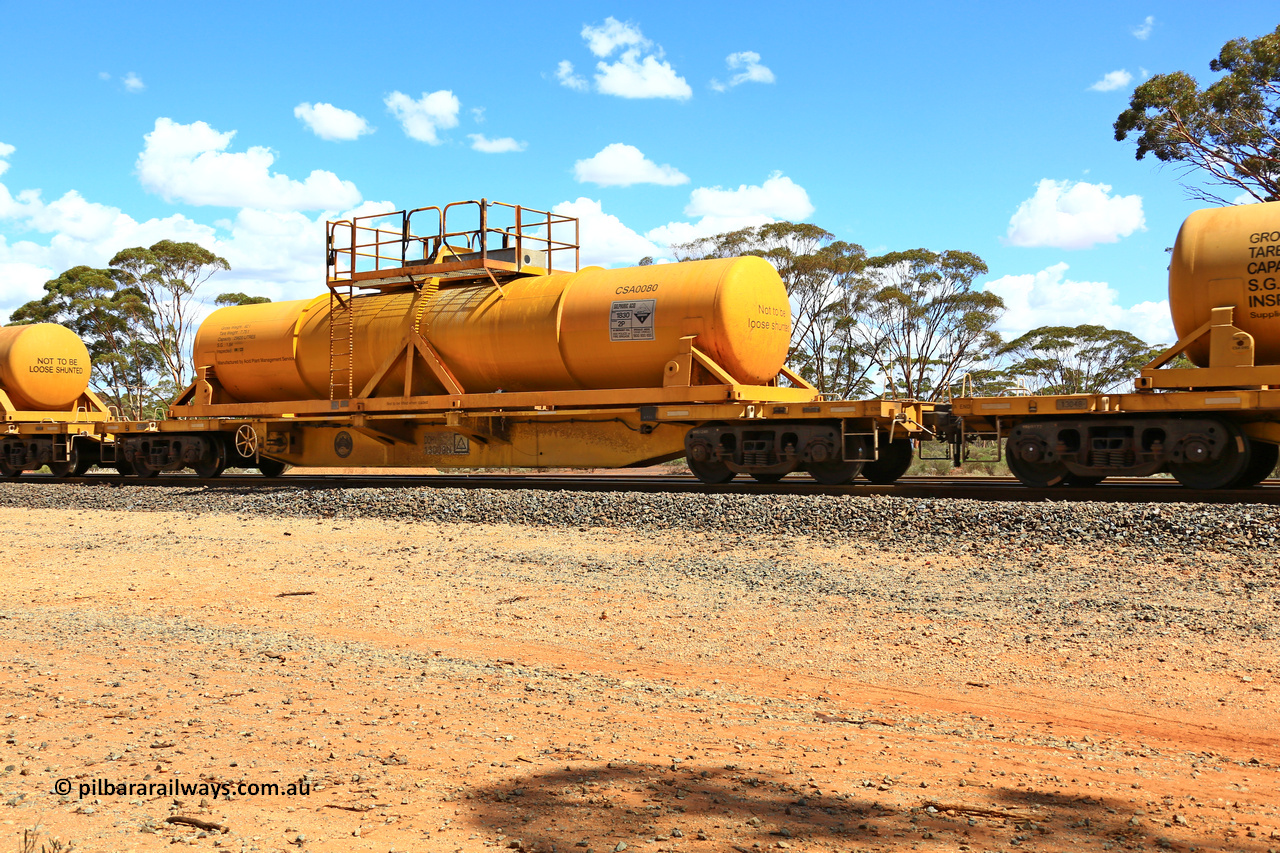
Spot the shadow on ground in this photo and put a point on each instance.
(592, 807)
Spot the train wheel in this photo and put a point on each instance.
(123, 468)
(9, 470)
(835, 473)
(65, 469)
(84, 461)
(1231, 466)
(838, 472)
(272, 468)
(1035, 475)
(894, 461)
(142, 468)
(1262, 461)
(712, 471)
(213, 463)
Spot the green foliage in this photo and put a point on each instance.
(225, 299)
(168, 275)
(1227, 130)
(136, 318)
(819, 273)
(918, 318)
(108, 317)
(1076, 360)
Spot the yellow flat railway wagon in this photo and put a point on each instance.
(1214, 423)
(482, 344)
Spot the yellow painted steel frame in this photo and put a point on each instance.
(1231, 360)
(545, 436)
(79, 418)
(198, 407)
(1258, 411)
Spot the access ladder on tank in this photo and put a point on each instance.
(342, 342)
(385, 252)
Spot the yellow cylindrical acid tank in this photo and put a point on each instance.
(1229, 256)
(592, 329)
(44, 367)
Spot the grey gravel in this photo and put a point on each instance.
(928, 522)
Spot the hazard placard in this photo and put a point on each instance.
(632, 321)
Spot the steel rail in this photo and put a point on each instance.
(1126, 490)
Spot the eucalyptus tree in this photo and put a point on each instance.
(1086, 359)
(819, 273)
(1229, 131)
(108, 316)
(169, 276)
(919, 317)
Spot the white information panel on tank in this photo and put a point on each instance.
(632, 321)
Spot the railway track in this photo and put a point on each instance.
(1120, 490)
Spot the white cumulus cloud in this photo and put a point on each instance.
(190, 163)
(611, 35)
(1113, 80)
(564, 73)
(423, 118)
(621, 165)
(749, 70)
(638, 71)
(273, 252)
(5, 151)
(1074, 215)
(68, 232)
(1143, 30)
(778, 197)
(133, 83)
(719, 210)
(503, 145)
(1049, 298)
(605, 240)
(329, 122)
(633, 76)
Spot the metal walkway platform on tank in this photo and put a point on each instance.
(364, 252)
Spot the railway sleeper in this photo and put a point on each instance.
(1202, 453)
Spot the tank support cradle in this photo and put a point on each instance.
(1231, 356)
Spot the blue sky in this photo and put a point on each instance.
(244, 126)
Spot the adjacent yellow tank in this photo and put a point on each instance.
(44, 367)
(593, 329)
(1229, 256)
